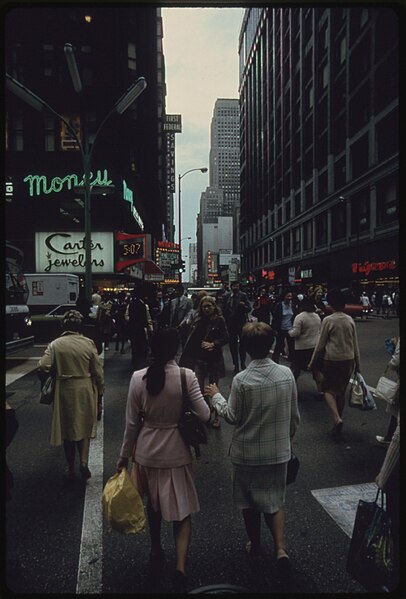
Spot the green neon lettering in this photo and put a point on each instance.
(38, 184)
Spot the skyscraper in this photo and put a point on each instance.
(319, 97)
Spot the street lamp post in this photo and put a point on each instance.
(86, 150)
(180, 177)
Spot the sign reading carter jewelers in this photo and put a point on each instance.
(65, 252)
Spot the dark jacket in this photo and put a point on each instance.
(236, 312)
(215, 332)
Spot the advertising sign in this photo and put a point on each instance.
(227, 258)
(64, 252)
(172, 123)
(130, 249)
(170, 161)
(167, 258)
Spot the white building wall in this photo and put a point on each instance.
(217, 236)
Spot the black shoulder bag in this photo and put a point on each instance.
(192, 429)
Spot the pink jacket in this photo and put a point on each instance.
(159, 443)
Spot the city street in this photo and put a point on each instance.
(57, 541)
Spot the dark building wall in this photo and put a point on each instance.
(319, 102)
(128, 145)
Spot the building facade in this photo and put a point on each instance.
(113, 48)
(319, 152)
(221, 198)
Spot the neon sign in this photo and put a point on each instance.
(128, 197)
(39, 184)
(368, 267)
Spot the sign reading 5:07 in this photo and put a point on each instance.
(129, 249)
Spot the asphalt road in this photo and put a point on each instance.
(46, 538)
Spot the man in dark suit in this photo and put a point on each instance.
(236, 307)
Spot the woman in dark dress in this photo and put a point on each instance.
(203, 347)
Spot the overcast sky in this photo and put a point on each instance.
(201, 60)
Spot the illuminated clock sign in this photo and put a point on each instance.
(131, 249)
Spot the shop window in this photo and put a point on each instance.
(387, 81)
(297, 204)
(321, 229)
(387, 201)
(360, 212)
(308, 235)
(339, 173)
(359, 109)
(338, 222)
(323, 185)
(132, 56)
(49, 134)
(359, 157)
(387, 136)
(308, 196)
(18, 132)
(296, 240)
(286, 244)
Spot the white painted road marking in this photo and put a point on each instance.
(90, 569)
(341, 502)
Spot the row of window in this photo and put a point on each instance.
(350, 216)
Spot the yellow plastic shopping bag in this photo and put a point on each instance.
(122, 504)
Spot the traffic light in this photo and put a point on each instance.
(181, 267)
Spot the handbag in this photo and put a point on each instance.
(387, 389)
(360, 396)
(192, 429)
(293, 468)
(370, 558)
(47, 393)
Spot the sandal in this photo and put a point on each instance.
(216, 423)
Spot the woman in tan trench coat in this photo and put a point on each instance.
(79, 387)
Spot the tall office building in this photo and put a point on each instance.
(319, 117)
(113, 46)
(221, 198)
(224, 158)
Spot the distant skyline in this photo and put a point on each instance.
(201, 62)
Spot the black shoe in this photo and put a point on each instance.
(337, 429)
(84, 471)
(283, 568)
(156, 563)
(179, 582)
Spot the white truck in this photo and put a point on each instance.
(46, 291)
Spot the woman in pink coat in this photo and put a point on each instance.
(163, 458)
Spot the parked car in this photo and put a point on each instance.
(352, 310)
(45, 327)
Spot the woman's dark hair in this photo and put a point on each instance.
(306, 305)
(164, 345)
(336, 299)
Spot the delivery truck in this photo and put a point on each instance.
(46, 291)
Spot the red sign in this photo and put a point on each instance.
(268, 274)
(130, 249)
(368, 267)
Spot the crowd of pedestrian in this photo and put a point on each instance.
(182, 336)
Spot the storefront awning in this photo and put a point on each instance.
(152, 272)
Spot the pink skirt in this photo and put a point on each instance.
(171, 491)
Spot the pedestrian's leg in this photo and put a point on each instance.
(154, 524)
(182, 531)
(332, 405)
(393, 422)
(233, 343)
(252, 521)
(69, 449)
(278, 347)
(83, 447)
(291, 346)
(340, 401)
(276, 524)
